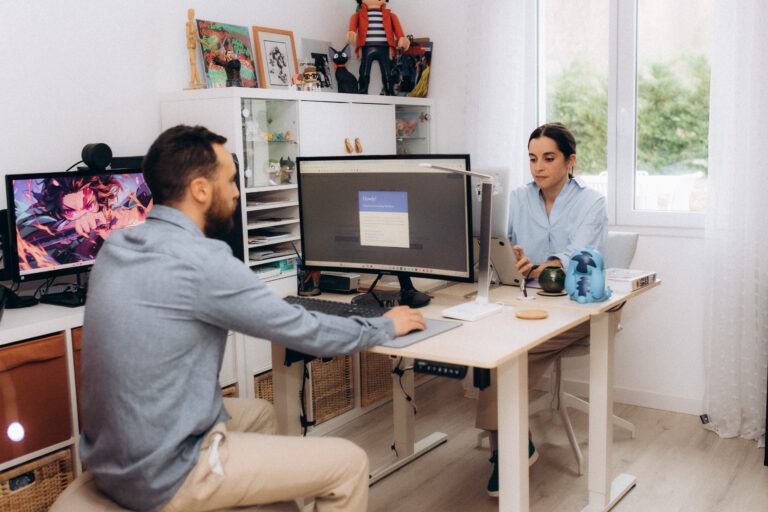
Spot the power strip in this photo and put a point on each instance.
(452, 371)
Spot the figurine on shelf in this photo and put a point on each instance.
(310, 76)
(192, 39)
(405, 128)
(365, 30)
(344, 78)
(274, 172)
(287, 168)
(230, 63)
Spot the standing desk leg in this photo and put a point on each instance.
(513, 435)
(405, 446)
(603, 493)
(286, 387)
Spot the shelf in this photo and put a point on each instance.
(268, 205)
(270, 188)
(271, 223)
(279, 240)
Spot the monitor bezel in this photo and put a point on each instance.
(12, 258)
(469, 243)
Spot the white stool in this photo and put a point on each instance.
(82, 496)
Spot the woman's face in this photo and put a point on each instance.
(549, 167)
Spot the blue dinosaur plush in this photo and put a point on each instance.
(585, 278)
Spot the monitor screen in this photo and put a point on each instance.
(58, 221)
(387, 215)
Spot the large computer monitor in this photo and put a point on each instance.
(58, 221)
(387, 215)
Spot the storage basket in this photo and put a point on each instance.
(229, 391)
(34, 486)
(375, 377)
(262, 386)
(332, 387)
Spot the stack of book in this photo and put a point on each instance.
(627, 279)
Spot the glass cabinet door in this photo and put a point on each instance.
(270, 142)
(412, 129)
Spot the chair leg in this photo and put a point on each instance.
(572, 439)
(574, 402)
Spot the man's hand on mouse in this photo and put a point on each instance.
(406, 320)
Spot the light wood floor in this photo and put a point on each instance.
(679, 465)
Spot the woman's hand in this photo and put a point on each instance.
(529, 269)
(524, 265)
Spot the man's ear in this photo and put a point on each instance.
(200, 190)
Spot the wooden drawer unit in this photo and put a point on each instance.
(34, 389)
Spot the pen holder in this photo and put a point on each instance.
(307, 282)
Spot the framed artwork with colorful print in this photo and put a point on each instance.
(227, 55)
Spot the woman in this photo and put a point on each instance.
(549, 218)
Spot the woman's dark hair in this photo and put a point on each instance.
(179, 155)
(562, 136)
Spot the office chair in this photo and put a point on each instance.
(618, 251)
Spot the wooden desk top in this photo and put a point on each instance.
(491, 341)
(488, 342)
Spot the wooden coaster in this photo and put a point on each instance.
(532, 314)
(552, 294)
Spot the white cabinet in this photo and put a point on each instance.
(347, 128)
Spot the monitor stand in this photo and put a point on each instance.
(408, 295)
(73, 297)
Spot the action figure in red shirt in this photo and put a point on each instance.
(377, 33)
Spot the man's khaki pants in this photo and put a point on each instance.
(242, 462)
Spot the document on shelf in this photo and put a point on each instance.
(628, 279)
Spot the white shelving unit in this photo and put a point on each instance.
(268, 129)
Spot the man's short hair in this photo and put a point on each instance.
(179, 155)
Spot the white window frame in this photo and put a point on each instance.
(622, 115)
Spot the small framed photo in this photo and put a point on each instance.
(276, 54)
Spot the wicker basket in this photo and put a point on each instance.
(332, 387)
(262, 386)
(375, 377)
(34, 486)
(229, 391)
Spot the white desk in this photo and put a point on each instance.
(500, 341)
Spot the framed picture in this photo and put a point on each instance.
(223, 47)
(276, 56)
(410, 70)
(315, 53)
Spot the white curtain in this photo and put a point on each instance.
(736, 234)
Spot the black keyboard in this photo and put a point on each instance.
(332, 307)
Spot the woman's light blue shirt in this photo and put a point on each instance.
(578, 219)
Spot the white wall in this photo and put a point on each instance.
(87, 71)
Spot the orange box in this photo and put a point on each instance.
(34, 394)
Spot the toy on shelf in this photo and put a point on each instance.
(310, 76)
(365, 26)
(287, 168)
(405, 128)
(192, 39)
(344, 78)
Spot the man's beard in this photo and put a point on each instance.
(219, 219)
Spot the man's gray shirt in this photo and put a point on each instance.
(161, 300)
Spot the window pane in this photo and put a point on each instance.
(573, 60)
(672, 104)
